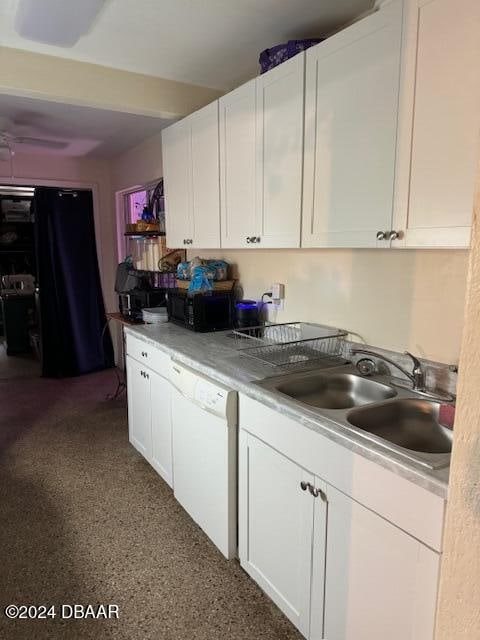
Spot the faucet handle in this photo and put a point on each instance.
(418, 373)
(416, 361)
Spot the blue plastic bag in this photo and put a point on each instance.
(200, 282)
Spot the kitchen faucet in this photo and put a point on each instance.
(417, 377)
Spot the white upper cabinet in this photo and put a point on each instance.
(261, 152)
(440, 123)
(280, 104)
(192, 180)
(176, 174)
(368, 139)
(238, 166)
(351, 109)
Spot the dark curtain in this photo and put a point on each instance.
(75, 338)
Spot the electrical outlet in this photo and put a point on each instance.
(278, 296)
(278, 292)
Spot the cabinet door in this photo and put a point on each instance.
(445, 97)
(238, 151)
(177, 179)
(318, 561)
(275, 527)
(139, 409)
(161, 426)
(205, 177)
(380, 582)
(351, 108)
(279, 107)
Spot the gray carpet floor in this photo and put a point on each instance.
(84, 519)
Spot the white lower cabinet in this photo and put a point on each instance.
(380, 582)
(336, 569)
(160, 394)
(139, 410)
(149, 418)
(275, 527)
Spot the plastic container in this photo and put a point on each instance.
(155, 315)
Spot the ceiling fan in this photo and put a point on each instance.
(9, 139)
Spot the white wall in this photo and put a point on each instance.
(394, 299)
(138, 166)
(35, 75)
(32, 168)
(458, 613)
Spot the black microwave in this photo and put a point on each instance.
(201, 311)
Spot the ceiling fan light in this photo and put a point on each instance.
(57, 22)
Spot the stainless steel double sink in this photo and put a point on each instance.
(397, 419)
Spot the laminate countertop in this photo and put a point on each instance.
(217, 356)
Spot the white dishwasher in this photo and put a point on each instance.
(204, 443)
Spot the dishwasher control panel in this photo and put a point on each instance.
(208, 394)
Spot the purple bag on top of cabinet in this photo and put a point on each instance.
(274, 56)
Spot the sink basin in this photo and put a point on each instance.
(335, 390)
(408, 423)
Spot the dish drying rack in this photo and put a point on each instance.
(291, 343)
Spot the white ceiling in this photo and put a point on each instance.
(95, 132)
(214, 43)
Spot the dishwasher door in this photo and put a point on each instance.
(205, 469)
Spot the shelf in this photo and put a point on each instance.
(143, 234)
(154, 271)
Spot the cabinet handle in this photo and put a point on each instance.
(381, 235)
(393, 235)
(317, 493)
(144, 354)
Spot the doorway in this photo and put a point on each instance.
(18, 271)
(51, 302)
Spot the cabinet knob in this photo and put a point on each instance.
(381, 235)
(248, 239)
(304, 485)
(393, 235)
